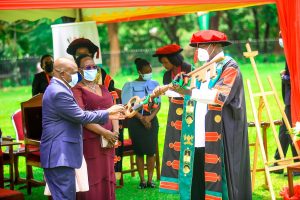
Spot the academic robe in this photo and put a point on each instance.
(171, 152)
(227, 165)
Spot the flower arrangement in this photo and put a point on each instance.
(296, 130)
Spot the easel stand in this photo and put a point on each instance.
(257, 113)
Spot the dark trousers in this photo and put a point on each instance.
(284, 136)
(198, 182)
(61, 182)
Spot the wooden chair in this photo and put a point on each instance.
(32, 127)
(128, 151)
(20, 151)
(290, 171)
(5, 193)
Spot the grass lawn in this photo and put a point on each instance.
(10, 99)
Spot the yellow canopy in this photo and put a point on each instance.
(106, 15)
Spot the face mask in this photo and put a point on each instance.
(147, 77)
(90, 75)
(280, 42)
(49, 67)
(203, 55)
(74, 80)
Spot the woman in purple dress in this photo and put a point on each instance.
(100, 161)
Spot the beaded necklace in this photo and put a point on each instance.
(93, 88)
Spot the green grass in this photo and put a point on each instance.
(10, 99)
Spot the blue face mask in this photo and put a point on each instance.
(74, 80)
(147, 77)
(90, 75)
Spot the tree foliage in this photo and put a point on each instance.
(24, 38)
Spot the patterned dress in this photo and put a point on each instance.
(100, 161)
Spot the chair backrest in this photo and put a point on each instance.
(32, 117)
(16, 119)
(1, 170)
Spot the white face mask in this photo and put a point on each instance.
(280, 42)
(203, 55)
(147, 77)
(90, 75)
(74, 80)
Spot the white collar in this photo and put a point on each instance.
(61, 81)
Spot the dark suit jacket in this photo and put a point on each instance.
(286, 86)
(39, 83)
(61, 142)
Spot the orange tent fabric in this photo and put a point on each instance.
(55, 4)
(289, 20)
(288, 12)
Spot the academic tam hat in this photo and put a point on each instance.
(167, 50)
(208, 37)
(81, 42)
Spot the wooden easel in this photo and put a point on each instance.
(257, 113)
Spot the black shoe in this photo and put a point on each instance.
(279, 171)
(294, 174)
(142, 185)
(150, 185)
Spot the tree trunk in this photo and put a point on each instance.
(256, 22)
(115, 63)
(267, 34)
(214, 20)
(170, 26)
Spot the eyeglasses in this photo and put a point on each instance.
(89, 67)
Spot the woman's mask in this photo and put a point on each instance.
(90, 75)
(147, 77)
(48, 67)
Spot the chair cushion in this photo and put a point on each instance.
(34, 156)
(127, 142)
(11, 194)
(127, 145)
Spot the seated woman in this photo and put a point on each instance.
(41, 80)
(100, 161)
(143, 127)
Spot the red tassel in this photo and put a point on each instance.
(97, 55)
(196, 56)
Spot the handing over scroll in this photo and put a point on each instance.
(182, 83)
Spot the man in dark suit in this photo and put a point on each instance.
(61, 142)
(41, 80)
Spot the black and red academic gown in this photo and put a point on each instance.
(227, 164)
(170, 160)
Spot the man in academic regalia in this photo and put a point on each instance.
(214, 157)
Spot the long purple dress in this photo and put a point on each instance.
(100, 161)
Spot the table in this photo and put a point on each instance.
(10, 145)
(290, 170)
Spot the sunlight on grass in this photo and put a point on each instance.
(12, 97)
